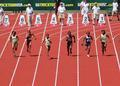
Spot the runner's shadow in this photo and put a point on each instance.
(93, 56)
(110, 55)
(75, 55)
(19, 56)
(53, 58)
(35, 55)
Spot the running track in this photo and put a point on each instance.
(36, 69)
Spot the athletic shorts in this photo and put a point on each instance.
(29, 20)
(88, 44)
(14, 43)
(61, 15)
(84, 12)
(96, 16)
(69, 45)
(28, 42)
(103, 43)
(48, 47)
(114, 11)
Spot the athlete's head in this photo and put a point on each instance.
(114, 0)
(69, 32)
(85, 1)
(96, 4)
(103, 32)
(29, 5)
(88, 33)
(47, 35)
(29, 31)
(14, 33)
(61, 4)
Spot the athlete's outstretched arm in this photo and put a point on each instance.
(83, 41)
(74, 38)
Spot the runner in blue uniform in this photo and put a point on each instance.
(87, 41)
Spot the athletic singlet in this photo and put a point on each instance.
(103, 38)
(29, 37)
(69, 38)
(14, 39)
(88, 39)
(47, 41)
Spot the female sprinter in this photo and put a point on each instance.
(29, 40)
(48, 42)
(88, 40)
(14, 39)
(69, 40)
(103, 39)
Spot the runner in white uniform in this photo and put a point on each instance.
(1, 15)
(14, 39)
(61, 13)
(82, 4)
(114, 9)
(48, 42)
(29, 12)
(85, 8)
(96, 10)
(103, 39)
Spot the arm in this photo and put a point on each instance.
(107, 36)
(50, 41)
(2, 12)
(73, 38)
(91, 39)
(67, 38)
(34, 36)
(83, 41)
(10, 38)
(18, 38)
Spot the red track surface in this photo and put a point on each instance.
(60, 70)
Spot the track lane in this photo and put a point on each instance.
(88, 65)
(26, 65)
(46, 67)
(67, 69)
(108, 63)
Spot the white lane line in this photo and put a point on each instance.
(78, 67)
(58, 57)
(117, 57)
(116, 36)
(39, 56)
(98, 62)
(8, 37)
